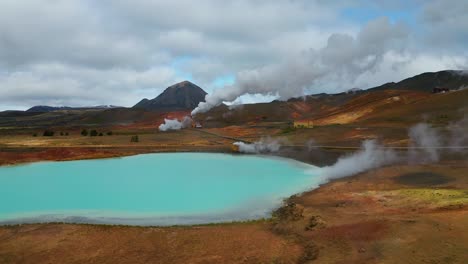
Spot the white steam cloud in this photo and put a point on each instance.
(459, 135)
(425, 146)
(264, 145)
(425, 143)
(370, 156)
(175, 124)
(342, 60)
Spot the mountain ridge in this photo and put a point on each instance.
(427, 81)
(47, 108)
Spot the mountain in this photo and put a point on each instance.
(427, 81)
(181, 96)
(403, 102)
(46, 108)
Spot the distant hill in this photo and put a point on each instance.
(181, 96)
(46, 108)
(427, 81)
(403, 102)
(412, 97)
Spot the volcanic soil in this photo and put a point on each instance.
(372, 217)
(396, 214)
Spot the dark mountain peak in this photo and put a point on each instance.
(183, 86)
(180, 96)
(183, 83)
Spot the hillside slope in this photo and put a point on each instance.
(427, 81)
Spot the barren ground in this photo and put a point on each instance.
(395, 214)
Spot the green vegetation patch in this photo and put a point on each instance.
(288, 129)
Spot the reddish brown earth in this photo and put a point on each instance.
(21, 156)
(368, 218)
(386, 215)
(60, 243)
(371, 218)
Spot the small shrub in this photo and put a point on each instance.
(288, 129)
(135, 139)
(35, 135)
(48, 133)
(66, 134)
(93, 133)
(84, 132)
(290, 211)
(61, 133)
(100, 134)
(315, 221)
(109, 133)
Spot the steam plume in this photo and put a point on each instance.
(311, 144)
(267, 145)
(370, 156)
(343, 59)
(459, 134)
(425, 143)
(175, 124)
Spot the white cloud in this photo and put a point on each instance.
(445, 23)
(59, 84)
(397, 66)
(339, 63)
(122, 50)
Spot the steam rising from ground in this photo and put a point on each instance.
(425, 146)
(264, 145)
(370, 156)
(342, 60)
(425, 143)
(311, 145)
(459, 134)
(175, 124)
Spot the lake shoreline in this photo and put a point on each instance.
(353, 219)
(236, 214)
(18, 155)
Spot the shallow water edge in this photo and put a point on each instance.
(250, 210)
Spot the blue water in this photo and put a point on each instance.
(151, 189)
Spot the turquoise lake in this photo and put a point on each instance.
(151, 189)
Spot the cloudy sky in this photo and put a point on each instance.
(86, 52)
